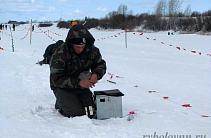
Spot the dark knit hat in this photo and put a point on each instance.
(78, 41)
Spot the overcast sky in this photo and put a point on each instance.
(45, 10)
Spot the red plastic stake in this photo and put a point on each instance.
(131, 112)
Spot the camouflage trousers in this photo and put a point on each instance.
(74, 102)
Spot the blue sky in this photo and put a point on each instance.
(44, 10)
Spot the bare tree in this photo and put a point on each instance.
(173, 10)
(122, 9)
(174, 7)
(187, 11)
(160, 9)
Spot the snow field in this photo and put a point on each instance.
(27, 103)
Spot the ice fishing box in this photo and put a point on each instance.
(108, 103)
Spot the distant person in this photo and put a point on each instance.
(32, 27)
(13, 26)
(5, 26)
(0, 26)
(49, 51)
(75, 67)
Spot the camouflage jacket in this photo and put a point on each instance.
(66, 65)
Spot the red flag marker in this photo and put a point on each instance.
(119, 77)
(151, 91)
(115, 36)
(205, 116)
(111, 75)
(154, 39)
(199, 53)
(193, 51)
(178, 48)
(170, 45)
(184, 49)
(134, 33)
(141, 33)
(147, 38)
(165, 97)
(136, 86)
(186, 105)
(162, 42)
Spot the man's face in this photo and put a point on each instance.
(78, 48)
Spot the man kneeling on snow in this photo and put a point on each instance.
(75, 67)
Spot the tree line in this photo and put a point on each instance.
(167, 15)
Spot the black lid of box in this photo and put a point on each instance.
(114, 92)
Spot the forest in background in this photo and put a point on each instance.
(167, 15)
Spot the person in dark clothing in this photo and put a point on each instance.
(49, 51)
(13, 26)
(75, 67)
(32, 27)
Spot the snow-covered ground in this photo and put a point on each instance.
(27, 103)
